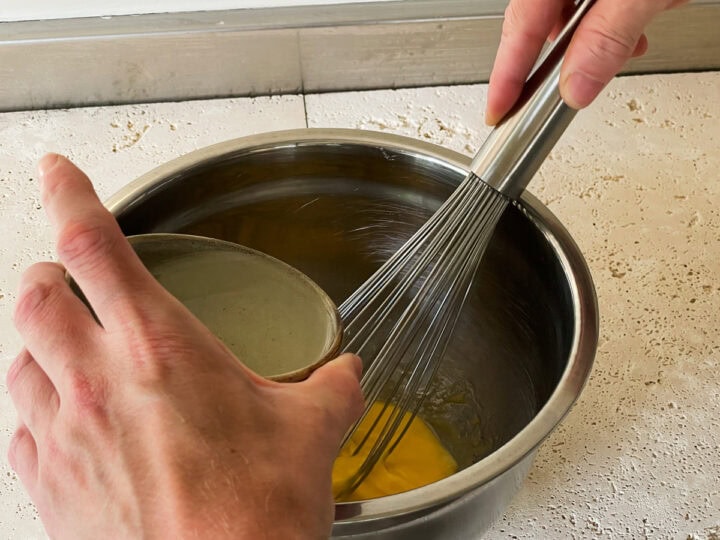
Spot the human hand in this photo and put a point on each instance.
(147, 426)
(607, 37)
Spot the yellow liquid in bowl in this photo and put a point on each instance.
(417, 460)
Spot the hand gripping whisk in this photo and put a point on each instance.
(401, 319)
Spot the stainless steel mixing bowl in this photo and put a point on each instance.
(335, 204)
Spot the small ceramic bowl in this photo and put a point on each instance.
(274, 318)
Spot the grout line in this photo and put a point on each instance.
(307, 125)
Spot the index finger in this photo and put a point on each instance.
(526, 27)
(606, 39)
(90, 243)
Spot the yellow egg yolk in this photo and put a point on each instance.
(417, 460)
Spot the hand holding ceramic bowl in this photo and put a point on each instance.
(140, 422)
(272, 317)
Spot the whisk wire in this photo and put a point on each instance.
(387, 365)
(380, 368)
(436, 334)
(402, 323)
(389, 269)
(450, 244)
(402, 287)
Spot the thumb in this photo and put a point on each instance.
(336, 386)
(609, 35)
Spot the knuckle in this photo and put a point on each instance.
(52, 449)
(354, 397)
(511, 16)
(33, 302)
(84, 243)
(18, 447)
(511, 23)
(15, 371)
(515, 27)
(155, 352)
(347, 390)
(606, 42)
(87, 395)
(60, 449)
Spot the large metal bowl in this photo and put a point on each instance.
(335, 204)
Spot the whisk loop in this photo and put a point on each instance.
(405, 313)
(401, 319)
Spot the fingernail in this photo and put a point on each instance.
(357, 366)
(490, 119)
(47, 163)
(579, 90)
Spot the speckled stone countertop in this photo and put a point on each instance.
(636, 180)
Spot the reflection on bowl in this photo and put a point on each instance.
(335, 204)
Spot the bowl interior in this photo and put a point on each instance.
(336, 211)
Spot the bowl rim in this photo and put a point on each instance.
(582, 291)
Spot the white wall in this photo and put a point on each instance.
(18, 10)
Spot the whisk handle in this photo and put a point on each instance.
(518, 145)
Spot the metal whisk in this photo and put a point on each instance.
(401, 319)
